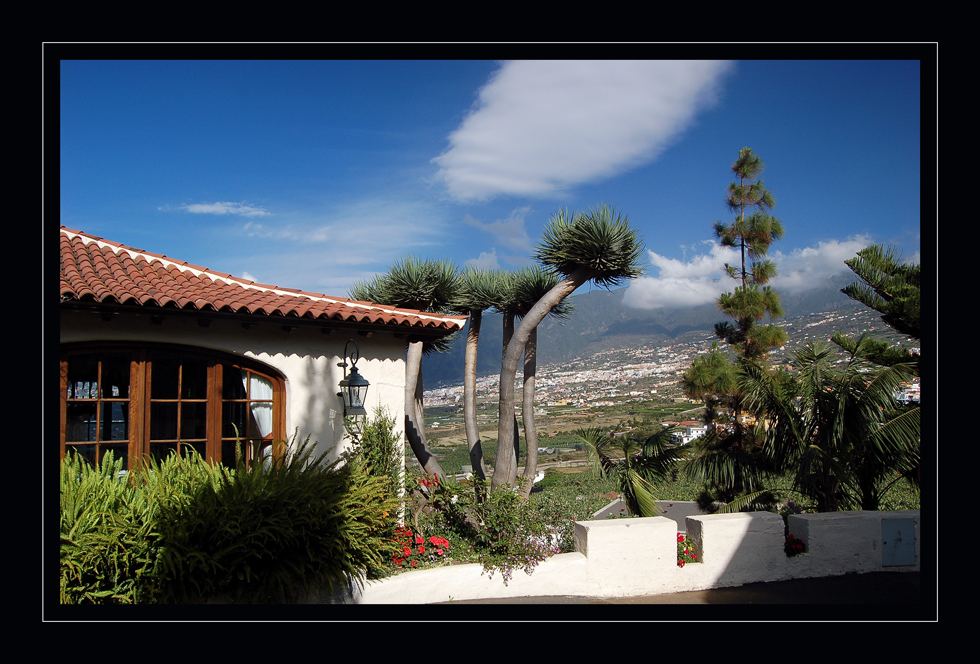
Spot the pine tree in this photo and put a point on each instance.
(729, 459)
(752, 232)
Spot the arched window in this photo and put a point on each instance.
(157, 400)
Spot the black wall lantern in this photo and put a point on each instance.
(353, 388)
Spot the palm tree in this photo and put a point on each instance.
(638, 467)
(530, 284)
(413, 283)
(598, 246)
(841, 429)
(478, 291)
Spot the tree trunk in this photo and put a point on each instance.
(414, 419)
(469, 396)
(508, 334)
(527, 412)
(505, 470)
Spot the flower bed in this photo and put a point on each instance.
(411, 550)
(685, 551)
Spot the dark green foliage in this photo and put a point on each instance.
(185, 531)
(751, 232)
(888, 286)
(891, 288)
(837, 427)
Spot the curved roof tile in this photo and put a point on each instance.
(96, 270)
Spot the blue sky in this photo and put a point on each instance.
(316, 174)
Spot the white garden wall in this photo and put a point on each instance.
(632, 557)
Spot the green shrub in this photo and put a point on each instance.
(500, 530)
(379, 447)
(276, 534)
(108, 550)
(185, 531)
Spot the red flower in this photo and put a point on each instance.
(438, 552)
(419, 540)
(421, 549)
(680, 538)
(407, 551)
(414, 564)
(680, 563)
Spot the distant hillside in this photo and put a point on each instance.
(601, 321)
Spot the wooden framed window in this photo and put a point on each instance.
(159, 400)
(97, 409)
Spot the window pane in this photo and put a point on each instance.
(260, 388)
(160, 451)
(115, 376)
(83, 377)
(193, 420)
(80, 422)
(197, 448)
(228, 453)
(166, 375)
(234, 415)
(194, 379)
(118, 452)
(87, 452)
(260, 424)
(163, 421)
(234, 383)
(115, 420)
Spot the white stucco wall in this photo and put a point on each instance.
(306, 357)
(632, 557)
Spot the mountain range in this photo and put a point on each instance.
(600, 321)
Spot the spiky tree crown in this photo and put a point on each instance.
(412, 283)
(601, 241)
(529, 285)
(480, 290)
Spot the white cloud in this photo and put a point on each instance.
(240, 209)
(510, 233)
(702, 279)
(808, 268)
(327, 252)
(682, 284)
(486, 261)
(541, 126)
(361, 232)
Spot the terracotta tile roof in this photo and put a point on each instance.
(98, 271)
